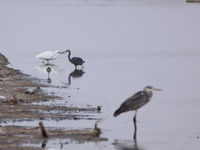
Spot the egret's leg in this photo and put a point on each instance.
(135, 126)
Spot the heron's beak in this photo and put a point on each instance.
(156, 89)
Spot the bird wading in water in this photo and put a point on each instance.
(135, 102)
(49, 55)
(77, 61)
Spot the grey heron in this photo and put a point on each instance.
(135, 102)
(77, 61)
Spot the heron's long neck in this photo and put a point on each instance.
(69, 55)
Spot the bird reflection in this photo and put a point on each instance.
(49, 71)
(126, 145)
(77, 73)
(47, 68)
(43, 145)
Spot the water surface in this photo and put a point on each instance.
(126, 45)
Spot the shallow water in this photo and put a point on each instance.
(126, 45)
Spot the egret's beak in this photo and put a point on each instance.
(62, 52)
(156, 89)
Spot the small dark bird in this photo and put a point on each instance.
(77, 61)
(135, 102)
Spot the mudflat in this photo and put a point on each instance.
(18, 91)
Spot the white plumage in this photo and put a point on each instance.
(49, 55)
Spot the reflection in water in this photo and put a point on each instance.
(48, 68)
(75, 74)
(43, 145)
(126, 145)
(49, 71)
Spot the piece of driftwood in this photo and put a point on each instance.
(13, 136)
(86, 134)
(43, 131)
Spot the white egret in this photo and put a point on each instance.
(49, 55)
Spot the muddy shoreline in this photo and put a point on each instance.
(17, 93)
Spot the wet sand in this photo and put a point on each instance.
(16, 105)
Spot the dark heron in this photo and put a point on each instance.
(77, 61)
(135, 102)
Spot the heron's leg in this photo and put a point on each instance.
(135, 126)
(69, 80)
(134, 119)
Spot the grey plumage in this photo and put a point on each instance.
(77, 61)
(136, 101)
